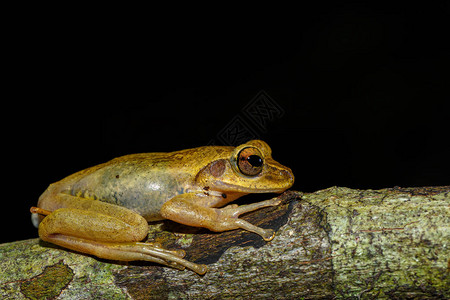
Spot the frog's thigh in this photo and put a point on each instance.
(92, 225)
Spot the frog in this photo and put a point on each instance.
(105, 210)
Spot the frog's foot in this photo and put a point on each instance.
(229, 215)
(40, 211)
(129, 252)
(183, 209)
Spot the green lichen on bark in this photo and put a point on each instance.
(49, 283)
(31, 269)
(334, 243)
(388, 241)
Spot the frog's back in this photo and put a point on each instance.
(141, 182)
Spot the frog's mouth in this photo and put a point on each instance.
(251, 189)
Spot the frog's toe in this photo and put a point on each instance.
(201, 269)
(176, 266)
(268, 235)
(154, 244)
(275, 201)
(158, 247)
(180, 253)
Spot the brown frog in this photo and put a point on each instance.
(104, 210)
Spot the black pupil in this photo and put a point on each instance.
(255, 160)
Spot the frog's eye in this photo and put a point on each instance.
(250, 161)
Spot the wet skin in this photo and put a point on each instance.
(104, 210)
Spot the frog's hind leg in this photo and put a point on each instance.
(118, 251)
(107, 231)
(128, 252)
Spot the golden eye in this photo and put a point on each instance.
(250, 161)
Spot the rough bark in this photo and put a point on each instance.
(334, 243)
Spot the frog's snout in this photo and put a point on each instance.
(287, 173)
(287, 179)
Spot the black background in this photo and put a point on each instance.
(364, 90)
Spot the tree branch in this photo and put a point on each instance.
(336, 243)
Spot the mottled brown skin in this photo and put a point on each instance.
(104, 210)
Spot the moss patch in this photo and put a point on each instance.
(49, 283)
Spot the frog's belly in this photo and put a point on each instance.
(147, 205)
(144, 195)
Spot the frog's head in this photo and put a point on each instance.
(248, 168)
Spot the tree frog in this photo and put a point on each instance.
(104, 210)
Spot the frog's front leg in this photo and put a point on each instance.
(106, 231)
(191, 209)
